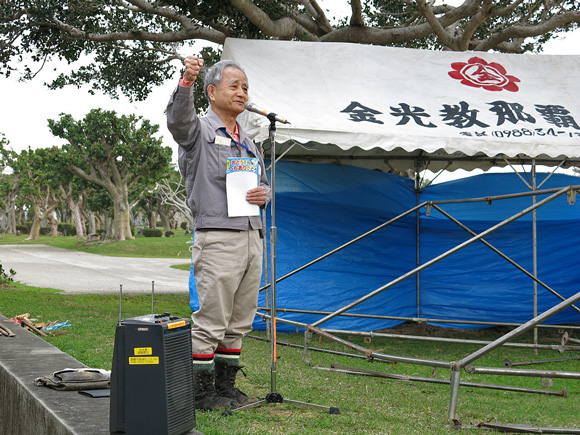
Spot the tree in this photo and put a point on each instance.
(156, 210)
(132, 42)
(8, 195)
(33, 170)
(171, 190)
(115, 153)
(8, 190)
(99, 206)
(72, 189)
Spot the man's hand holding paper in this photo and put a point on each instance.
(257, 196)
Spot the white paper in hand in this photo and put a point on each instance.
(241, 176)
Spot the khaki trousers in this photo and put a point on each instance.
(228, 268)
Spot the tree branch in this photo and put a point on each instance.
(307, 23)
(356, 19)
(524, 31)
(444, 38)
(318, 15)
(473, 25)
(508, 10)
(91, 178)
(191, 30)
(284, 28)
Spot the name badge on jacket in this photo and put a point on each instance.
(225, 141)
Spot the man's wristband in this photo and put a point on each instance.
(185, 83)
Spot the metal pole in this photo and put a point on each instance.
(456, 369)
(315, 349)
(418, 239)
(266, 268)
(413, 319)
(501, 197)
(355, 371)
(455, 340)
(455, 381)
(371, 354)
(523, 428)
(522, 372)
(530, 324)
(273, 237)
(152, 297)
(535, 248)
(559, 348)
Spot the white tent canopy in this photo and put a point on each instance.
(396, 108)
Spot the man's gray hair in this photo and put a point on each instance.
(214, 75)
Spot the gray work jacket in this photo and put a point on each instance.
(202, 163)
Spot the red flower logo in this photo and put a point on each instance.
(480, 74)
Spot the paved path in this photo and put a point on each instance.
(79, 272)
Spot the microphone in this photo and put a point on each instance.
(253, 108)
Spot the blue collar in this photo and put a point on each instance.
(225, 131)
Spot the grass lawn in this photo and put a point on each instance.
(368, 405)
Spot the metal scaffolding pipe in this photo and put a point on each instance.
(316, 349)
(507, 196)
(349, 370)
(372, 334)
(455, 381)
(523, 428)
(519, 330)
(371, 354)
(453, 340)
(456, 368)
(521, 372)
(508, 363)
(414, 319)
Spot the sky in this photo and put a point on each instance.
(26, 106)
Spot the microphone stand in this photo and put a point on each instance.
(274, 396)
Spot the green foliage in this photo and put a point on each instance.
(36, 181)
(4, 153)
(67, 229)
(104, 140)
(6, 276)
(133, 49)
(151, 232)
(210, 57)
(99, 200)
(36, 170)
(114, 153)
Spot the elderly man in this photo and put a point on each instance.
(227, 251)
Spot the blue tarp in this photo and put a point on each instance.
(321, 207)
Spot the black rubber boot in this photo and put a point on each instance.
(206, 397)
(225, 379)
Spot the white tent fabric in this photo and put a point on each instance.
(384, 107)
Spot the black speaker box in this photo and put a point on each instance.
(152, 377)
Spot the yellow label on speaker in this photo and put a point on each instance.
(143, 360)
(143, 351)
(176, 324)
